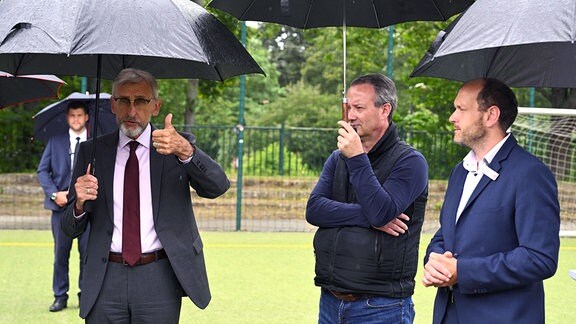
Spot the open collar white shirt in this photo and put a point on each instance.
(148, 238)
(476, 170)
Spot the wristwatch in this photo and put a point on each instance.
(53, 196)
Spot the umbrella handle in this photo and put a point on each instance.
(345, 109)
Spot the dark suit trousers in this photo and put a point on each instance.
(147, 293)
(451, 315)
(62, 248)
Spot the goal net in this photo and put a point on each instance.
(550, 134)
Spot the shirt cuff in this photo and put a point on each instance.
(187, 160)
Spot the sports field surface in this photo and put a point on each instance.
(254, 278)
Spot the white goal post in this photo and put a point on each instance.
(550, 134)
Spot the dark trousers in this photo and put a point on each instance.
(62, 248)
(451, 315)
(147, 293)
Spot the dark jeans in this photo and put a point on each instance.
(374, 310)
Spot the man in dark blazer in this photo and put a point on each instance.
(54, 172)
(500, 221)
(171, 262)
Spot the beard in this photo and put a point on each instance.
(131, 132)
(472, 136)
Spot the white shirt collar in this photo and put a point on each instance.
(470, 162)
(83, 135)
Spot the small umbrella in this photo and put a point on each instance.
(27, 88)
(524, 43)
(51, 120)
(335, 13)
(168, 38)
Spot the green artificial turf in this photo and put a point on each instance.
(254, 278)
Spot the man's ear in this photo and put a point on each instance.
(157, 106)
(493, 116)
(386, 109)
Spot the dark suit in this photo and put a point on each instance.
(506, 241)
(54, 175)
(173, 216)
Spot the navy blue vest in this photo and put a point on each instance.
(365, 260)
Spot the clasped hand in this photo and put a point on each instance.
(440, 270)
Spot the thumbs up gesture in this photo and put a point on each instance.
(169, 141)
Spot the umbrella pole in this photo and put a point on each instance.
(88, 204)
(344, 99)
(96, 113)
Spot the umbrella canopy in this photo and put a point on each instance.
(51, 120)
(523, 43)
(336, 13)
(168, 38)
(27, 88)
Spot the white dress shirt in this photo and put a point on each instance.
(476, 170)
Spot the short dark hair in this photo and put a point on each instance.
(496, 93)
(384, 88)
(77, 104)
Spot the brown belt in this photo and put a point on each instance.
(349, 297)
(145, 258)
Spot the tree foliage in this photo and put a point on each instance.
(303, 84)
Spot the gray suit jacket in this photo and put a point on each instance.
(172, 211)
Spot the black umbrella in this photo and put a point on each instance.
(326, 13)
(51, 120)
(27, 88)
(524, 43)
(168, 38)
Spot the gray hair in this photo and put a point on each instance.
(129, 75)
(384, 88)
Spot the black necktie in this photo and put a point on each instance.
(131, 250)
(75, 157)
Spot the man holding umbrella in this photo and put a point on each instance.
(145, 252)
(54, 172)
(369, 206)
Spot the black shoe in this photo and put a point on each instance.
(58, 305)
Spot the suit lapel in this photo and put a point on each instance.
(455, 188)
(156, 166)
(106, 149)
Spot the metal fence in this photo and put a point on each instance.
(279, 168)
(298, 151)
(270, 184)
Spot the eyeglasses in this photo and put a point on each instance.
(138, 102)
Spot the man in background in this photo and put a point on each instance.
(500, 221)
(54, 172)
(369, 206)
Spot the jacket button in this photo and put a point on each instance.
(104, 260)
